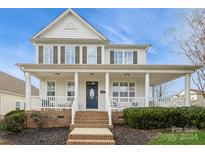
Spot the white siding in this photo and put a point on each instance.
(79, 30)
(100, 78)
(8, 102)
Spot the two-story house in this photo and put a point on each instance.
(80, 69)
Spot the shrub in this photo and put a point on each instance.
(15, 120)
(158, 117)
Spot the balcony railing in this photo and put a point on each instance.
(51, 102)
(128, 102)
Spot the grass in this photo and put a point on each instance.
(180, 138)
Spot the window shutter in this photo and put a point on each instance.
(40, 54)
(55, 54)
(62, 55)
(99, 55)
(84, 55)
(134, 57)
(111, 57)
(77, 54)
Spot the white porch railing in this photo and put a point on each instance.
(51, 102)
(128, 102)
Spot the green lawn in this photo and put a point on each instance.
(182, 138)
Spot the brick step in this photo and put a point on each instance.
(90, 126)
(90, 142)
(90, 137)
(90, 118)
(91, 122)
(85, 113)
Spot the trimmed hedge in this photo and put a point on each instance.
(158, 117)
(15, 120)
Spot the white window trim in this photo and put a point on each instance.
(95, 53)
(128, 88)
(47, 87)
(66, 46)
(67, 87)
(44, 53)
(123, 55)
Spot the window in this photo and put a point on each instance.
(123, 57)
(71, 88)
(123, 89)
(92, 55)
(118, 57)
(128, 57)
(48, 55)
(70, 55)
(115, 89)
(18, 106)
(50, 88)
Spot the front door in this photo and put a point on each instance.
(91, 95)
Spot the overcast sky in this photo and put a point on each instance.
(141, 26)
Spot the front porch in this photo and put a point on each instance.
(107, 87)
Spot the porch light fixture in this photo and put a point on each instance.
(127, 74)
(57, 74)
(92, 74)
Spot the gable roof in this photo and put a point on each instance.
(63, 15)
(12, 84)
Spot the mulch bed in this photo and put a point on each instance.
(124, 135)
(49, 136)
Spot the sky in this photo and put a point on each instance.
(140, 26)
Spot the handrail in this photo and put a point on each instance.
(73, 111)
(109, 110)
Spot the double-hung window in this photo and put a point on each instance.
(48, 55)
(92, 55)
(123, 57)
(70, 55)
(123, 89)
(51, 88)
(118, 57)
(128, 57)
(71, 88)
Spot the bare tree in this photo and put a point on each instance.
(192, 42)
(162, 90)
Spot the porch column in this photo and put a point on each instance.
(147, 78)
(28, 90)
(76, 87)
(107, 81)
(187, 90)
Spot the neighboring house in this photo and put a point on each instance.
(196, 97)
(12, 93)
(80, 69)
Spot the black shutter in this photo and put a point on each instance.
(77, 54)
(134, 57)
(99, 59)
(62, 55)
(111, 57)
(84, 55)
(40, 54)
(55, 54)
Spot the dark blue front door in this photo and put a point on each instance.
(91, 95)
